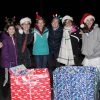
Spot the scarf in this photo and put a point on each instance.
(66, 54)
(24, 43)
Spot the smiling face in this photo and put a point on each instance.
(40, 24)
(89, 22)
(26, 26)
(55, 23)
(68, 23)
(11, 30)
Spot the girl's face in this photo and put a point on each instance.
(68, 23)
(40, 24)
(55, 23)
(11, 30)
(26, 26)
(89, 22)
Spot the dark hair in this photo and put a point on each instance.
(55, 18)
(64, 23)
(40, 19)
(86, 29)
(8, 25)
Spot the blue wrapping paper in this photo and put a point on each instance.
(75, 83)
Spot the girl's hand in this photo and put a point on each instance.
(81, 32)
(1, 45)
(18, 27)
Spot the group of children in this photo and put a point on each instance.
(53, 45)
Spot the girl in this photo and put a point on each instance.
(54, 41)
(69, 50)
(24, 38)
(40, 45)
(90, 41)
(8, 51)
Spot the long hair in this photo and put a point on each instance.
(86, 29)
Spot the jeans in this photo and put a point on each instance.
(52, 65)
(41, 61)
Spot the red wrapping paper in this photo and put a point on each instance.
(32, 86)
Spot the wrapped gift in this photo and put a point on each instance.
(35, 85)
(17, 70)
(76, 83)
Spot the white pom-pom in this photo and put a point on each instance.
(82, 25)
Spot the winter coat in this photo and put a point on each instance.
(76, 42)
(54, 39)
(91, 43)
(70, 43)
(24, 58)
(40, 45)
(8, 51)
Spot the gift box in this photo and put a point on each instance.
(76, 83)
(17, 70)
(35, 85)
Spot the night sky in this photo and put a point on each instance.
(23, 8)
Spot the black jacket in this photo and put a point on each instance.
(76, 42)
(23, 58)
(54, 39)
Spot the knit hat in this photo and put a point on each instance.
(85, 17)
(67, 17)
(26, 19)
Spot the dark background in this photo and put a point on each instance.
(23, 8)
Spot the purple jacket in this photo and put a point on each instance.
(8, 52)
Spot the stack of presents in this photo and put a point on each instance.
(69, 83)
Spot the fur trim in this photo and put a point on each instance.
(88, 17)
(67, 17)
(82, 25)
(26, 19)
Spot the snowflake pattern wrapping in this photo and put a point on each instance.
(75, 83)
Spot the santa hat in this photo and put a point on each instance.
(26, 19)
(38, 17)
(67, 17)
(85, 17)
